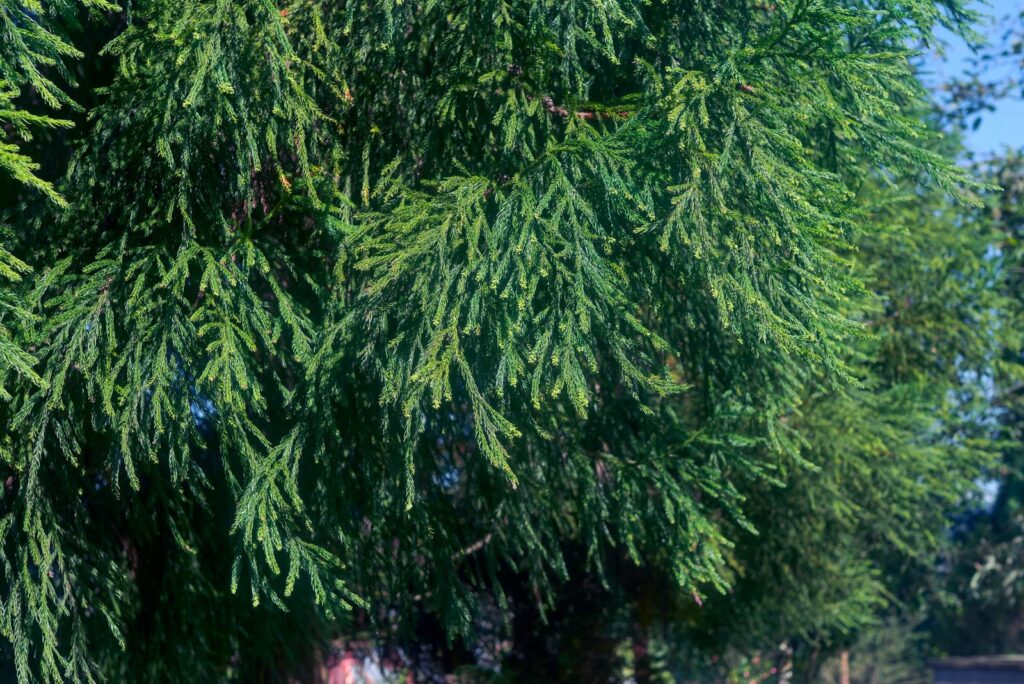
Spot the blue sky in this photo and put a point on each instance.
(1005, 126)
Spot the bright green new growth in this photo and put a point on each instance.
(380, 305)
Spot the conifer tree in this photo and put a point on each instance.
(850, 539)
(350, 315)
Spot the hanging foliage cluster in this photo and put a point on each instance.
(383, 311)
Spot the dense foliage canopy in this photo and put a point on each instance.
(325, 317)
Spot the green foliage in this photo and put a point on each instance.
(33, 54)
(978, 603)
(381, 311)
